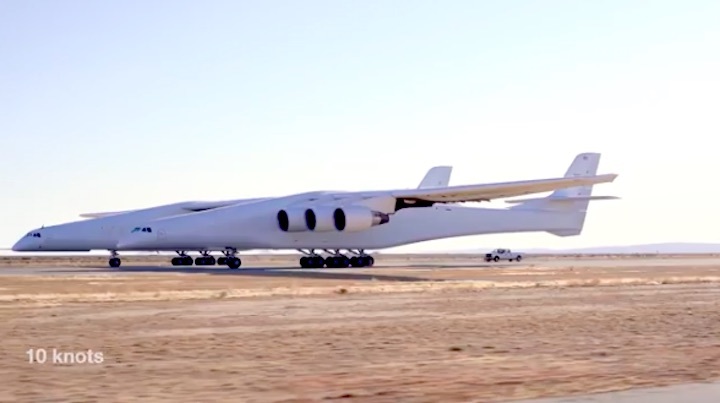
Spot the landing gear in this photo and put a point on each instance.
(230, 259)
(312, 260)
(205, 260)
(114, 261)
(182, 260)
(337, 260)
(361, 259)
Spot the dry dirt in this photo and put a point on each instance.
(390, 334)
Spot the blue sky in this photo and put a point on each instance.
(115, 105)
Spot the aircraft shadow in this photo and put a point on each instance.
(287, 272)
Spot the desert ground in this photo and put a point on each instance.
(410, 329)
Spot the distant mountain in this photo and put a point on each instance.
(672, 247)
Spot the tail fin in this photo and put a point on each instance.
(573, 200)
(436, 177)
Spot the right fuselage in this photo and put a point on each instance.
(255, 226)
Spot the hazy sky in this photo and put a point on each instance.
(117, 105)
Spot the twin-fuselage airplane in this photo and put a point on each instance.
(102, 230)
(334, 221)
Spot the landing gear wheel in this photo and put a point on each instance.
(316, 262)
(205, 261)
(337, 262)
(222, 261)
(519, 258)
(313, 262)
(496, 258)
(114, 262)
(362, 261)
(233, 262)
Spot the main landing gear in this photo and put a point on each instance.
(206, 259)
(312, 260)
(232, 261)
(182, 260)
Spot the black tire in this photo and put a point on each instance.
(519, 258)
(317, 262)
(114, 262)
(233, 262)
(496, 258)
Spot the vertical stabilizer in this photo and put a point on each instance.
(573, 201)
(436, 177)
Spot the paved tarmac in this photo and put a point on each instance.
(393, 264)
(686, 393)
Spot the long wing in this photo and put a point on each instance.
(487, 192)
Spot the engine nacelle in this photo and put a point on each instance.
(320, 219)
(357, 218)
(292, 220)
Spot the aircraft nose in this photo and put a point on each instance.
(24, 245)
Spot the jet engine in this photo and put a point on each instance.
(320, 219)
(291, 220)
(357, 218)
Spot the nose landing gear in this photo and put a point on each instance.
(114, 261)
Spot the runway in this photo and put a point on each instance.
(411, 330)
(691, 393)
(431, 263)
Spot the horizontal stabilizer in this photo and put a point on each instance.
(489, 191)
(563, 199)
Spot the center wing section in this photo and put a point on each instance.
(487, 192)
(178, 208)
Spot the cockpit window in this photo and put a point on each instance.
(142, 229)
(33, 235)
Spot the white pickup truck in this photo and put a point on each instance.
(503, 254)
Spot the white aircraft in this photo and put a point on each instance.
(355, 221)
(103, 230)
